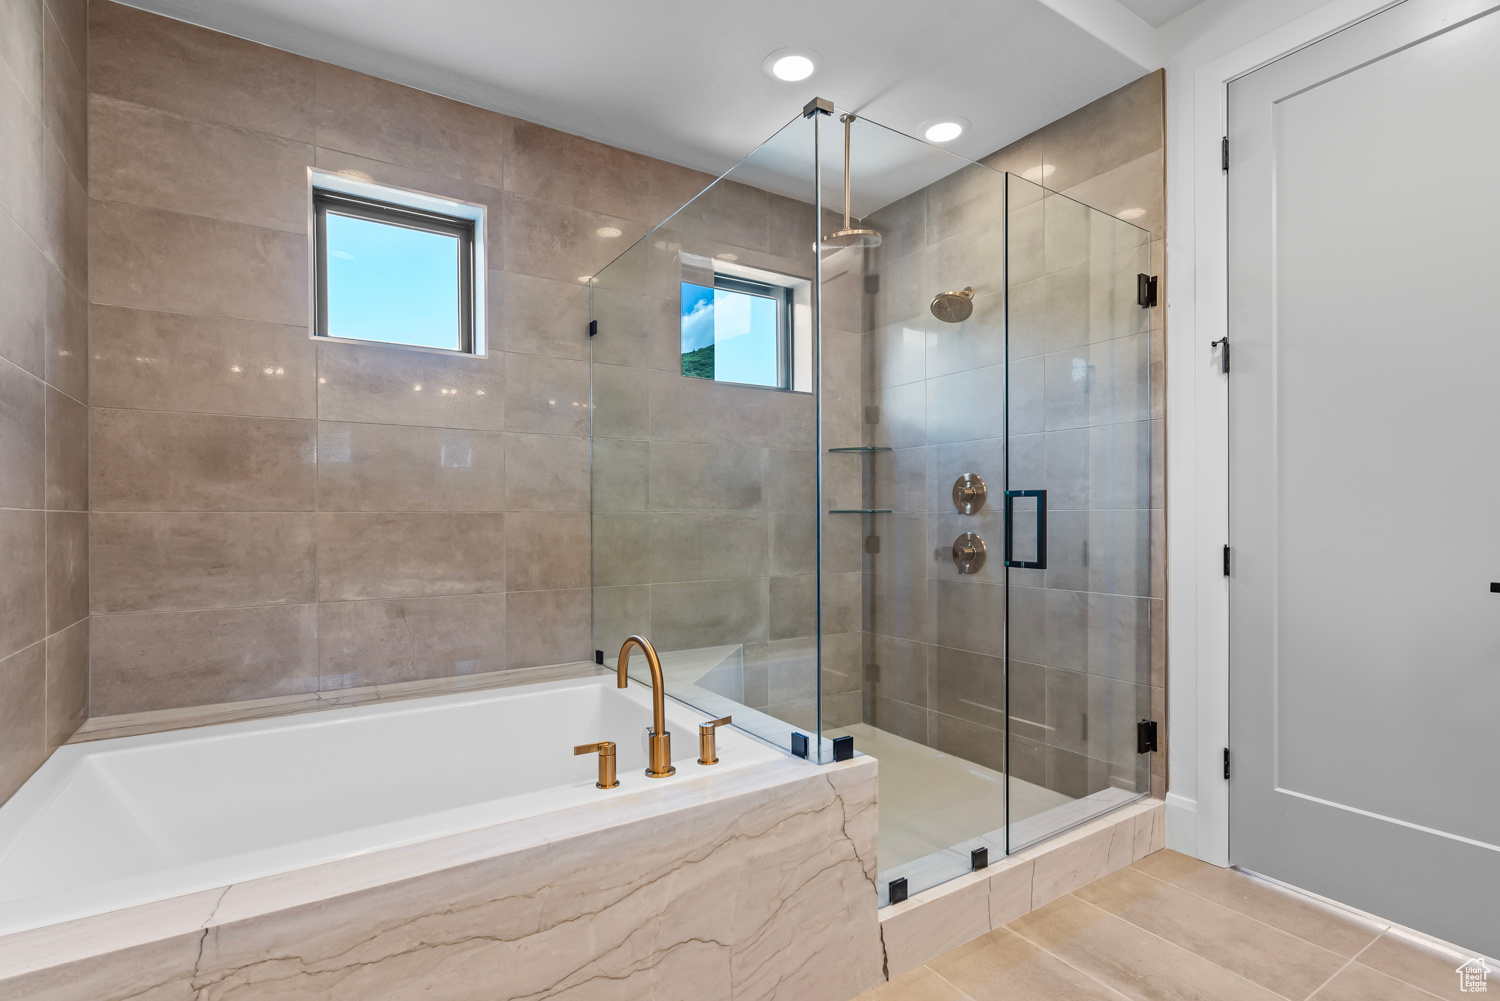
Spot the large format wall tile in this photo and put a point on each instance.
(148, 157)
(154, 259)
(191, 71)
(548, 395)
(570, 170)
(22, 437)
(546, 627)
(24, 275)
(169, 560)
(67, 338)
(149, 461)
(409, 555)
(64, 99)
(65, 217)
(543, 316)
(382, 467)
(546, 550)
(21, 168)
(162, 660)
(67, 681)
(386, 121)
(406, 639)
(67, 453)
(23, 718)
(548, 240)
(149, 360)
(389, 385)
(67, 568)
(550, 472)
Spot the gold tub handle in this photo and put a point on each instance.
(606, 749)
(707, 754)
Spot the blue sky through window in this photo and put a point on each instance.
(742, 328)
(390, 283)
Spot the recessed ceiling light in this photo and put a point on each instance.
(791, 64)
(944, 130)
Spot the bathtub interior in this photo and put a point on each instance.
(216, 804)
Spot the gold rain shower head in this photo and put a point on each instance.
(849, 236)
(954, 307)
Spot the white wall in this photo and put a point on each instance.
(1202, 51)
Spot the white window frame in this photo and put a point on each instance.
(420, 201)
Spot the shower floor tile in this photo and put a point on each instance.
(930, 800)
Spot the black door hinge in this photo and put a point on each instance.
(1145, 736)
(1226, 560)
(1145, 291)
(593, 327)
(1224, 356)
(1226, 762)
(1224, 154)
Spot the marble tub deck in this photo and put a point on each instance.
(755, 885)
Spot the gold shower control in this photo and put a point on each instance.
(606, 749)
(707, 752)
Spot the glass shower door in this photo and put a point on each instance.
(1078, 505)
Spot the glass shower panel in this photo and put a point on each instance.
(704, 446)
(1079, 466)
(932, 373)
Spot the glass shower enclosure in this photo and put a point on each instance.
(894, 486)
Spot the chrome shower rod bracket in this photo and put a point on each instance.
(818, 106)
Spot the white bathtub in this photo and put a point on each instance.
(128, 821)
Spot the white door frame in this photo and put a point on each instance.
(1198, 429)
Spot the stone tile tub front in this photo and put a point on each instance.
(401, 851)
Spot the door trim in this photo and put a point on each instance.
(1198, 418)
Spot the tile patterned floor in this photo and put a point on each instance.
(1171, 928)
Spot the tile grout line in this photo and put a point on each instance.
(961, 992)
(1381, 931)
(1347, 963)
(1185, 949)
(1047, 952)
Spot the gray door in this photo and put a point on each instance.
(1364, 223)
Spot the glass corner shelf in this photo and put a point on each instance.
(862, 448)
(861, 510)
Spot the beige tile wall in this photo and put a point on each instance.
(273, 516)
(44, 560)
(1084, 636)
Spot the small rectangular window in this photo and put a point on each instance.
(394, 273)
(739, 330)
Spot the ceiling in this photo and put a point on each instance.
(1158, 12)
(682, 80)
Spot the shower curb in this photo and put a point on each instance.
(954, 913)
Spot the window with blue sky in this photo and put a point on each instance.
(391, 283)
(731, 336)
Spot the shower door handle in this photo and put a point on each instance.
(1040, 563)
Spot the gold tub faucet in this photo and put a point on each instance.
(660, 741)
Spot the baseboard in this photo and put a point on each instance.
(1182, 824)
